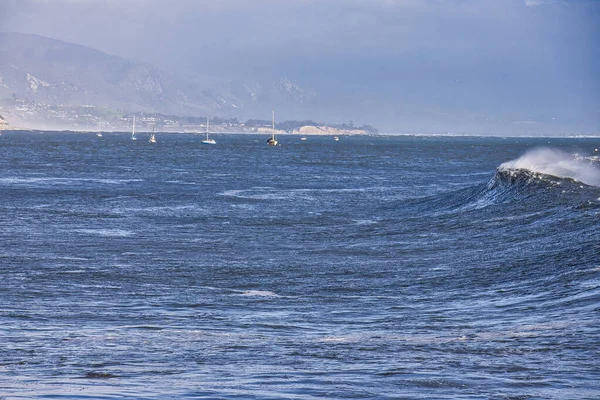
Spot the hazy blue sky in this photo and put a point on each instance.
(408, 65)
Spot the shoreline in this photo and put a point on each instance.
(299, 135)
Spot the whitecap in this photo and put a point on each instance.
(160, 210)
(364, 221)
(556, 163)
(182, 183)
(304, 194)
(113, 181)
(343, 339)
(263, 293)
(231, 193)
(106, 232)
(336, 339)
(63, 181)
(265, 193)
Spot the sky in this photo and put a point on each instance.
(472, 66)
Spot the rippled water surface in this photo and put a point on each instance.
(369, 268)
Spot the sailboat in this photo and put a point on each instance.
(98, 133)
(207, 140)
(133, 130)
(272, 141)
(152, 137)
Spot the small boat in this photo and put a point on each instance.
(302, 138)
(98, 133)
(272, 141)
(152, 137)
(337, 139)
(133, 130)
(207, 140)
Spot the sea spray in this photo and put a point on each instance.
(556, 163)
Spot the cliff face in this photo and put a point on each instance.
(327, 130)
(3, 124)
(270, 131)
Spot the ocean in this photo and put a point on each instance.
(376, 267)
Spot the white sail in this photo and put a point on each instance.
(207, 140)
(272, 141)
(133, 130)
(98, 133)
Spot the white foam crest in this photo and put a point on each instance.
(307, 194)
(160, 210)
(263, 293)
(63, 181)
(106, 232)
(260, 193)
(556, 163)
(364, 221)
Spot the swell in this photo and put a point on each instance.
(541, 179)
(545, 163)
(527, 240)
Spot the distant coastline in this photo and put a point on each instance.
(4, 126)
(311, 130)
(82, 118)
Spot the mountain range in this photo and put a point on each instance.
(53, 72)
(415, 95)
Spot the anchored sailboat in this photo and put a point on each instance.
(152, 137)
(272, 141)
(133, 130)
(207, 140)
(98, 133)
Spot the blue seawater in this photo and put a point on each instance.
(370, 268)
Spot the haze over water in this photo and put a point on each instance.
(372, 267)
(510, 67)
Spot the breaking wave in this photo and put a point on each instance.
(553, 163)
(542, 176)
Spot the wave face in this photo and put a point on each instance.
(555, 163)
(372, 267)
(544, 178)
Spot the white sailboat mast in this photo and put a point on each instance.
(273, 125)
